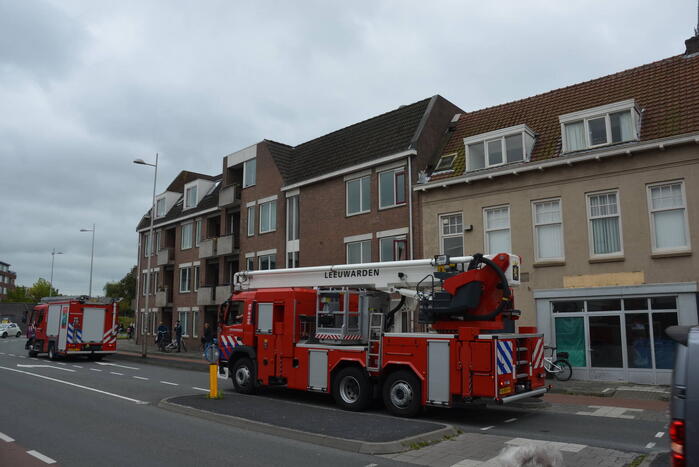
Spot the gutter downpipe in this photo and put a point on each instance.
(410, 207)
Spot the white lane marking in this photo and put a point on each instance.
(140, 377)
(75, 385)
(34, 358)
(41, 457)
(650, 445)
(510, 420)
(200, 389)
(95, 369)
(60, 363)
(569, 447)
(11, 354)
(120, 366)
(2, 353)
(642, 389)
(45, 366)
(608, 389)
(115, 373)
(468, 463)
(77, 366)
(5, 438)
(486, 428)
(659, 434)
(21, 356)
(612, 412)
(171, 384)
(372, 465)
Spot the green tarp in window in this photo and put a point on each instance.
(570, 337)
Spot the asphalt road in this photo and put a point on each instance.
(75, 425)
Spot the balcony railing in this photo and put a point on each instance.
(223, 292)
(224, 245)
(207, 248)
(229, 195)
(206, 296)
(165, 256)
(163, 297)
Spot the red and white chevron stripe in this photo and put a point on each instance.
(538, 355)
(110, 335)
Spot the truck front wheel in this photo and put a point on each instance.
(352, 389)
(244, 376)
(402, 394)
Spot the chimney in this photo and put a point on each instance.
(692, 44)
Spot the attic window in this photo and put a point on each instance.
(506, 146)
(600, 126)
(160, 208)
(445, 162)
(190, 197)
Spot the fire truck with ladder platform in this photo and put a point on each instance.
(328, 329)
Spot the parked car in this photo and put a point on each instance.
(10, 329)
(684, 407)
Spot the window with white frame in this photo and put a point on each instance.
(604, 223)
(292, 218)
(190, 197)
(182, 316)
(497, 230)
(548, 230)
(268, 216)
(195, 323)
(249, 172)
(267, 262)
(160, 207)
(668, 216)
(500, 147)
(195, 278)
(158, 239)
(147, 245)
(251, 221)
(393, 248)
(359, 252)
(185, 279)
(392, 188)
(600, 126)
(145, 284)
(292, 259)
(451, 231)
(445, 162)
(144, 322)
(186, 240)
(153, 321)
(197, 233)
(250, 263)
(358, 195)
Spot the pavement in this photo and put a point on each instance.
(592, 424)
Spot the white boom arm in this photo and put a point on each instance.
(386, 276)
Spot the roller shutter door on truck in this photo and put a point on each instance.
(93, 324)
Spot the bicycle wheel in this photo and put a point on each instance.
(565, 372)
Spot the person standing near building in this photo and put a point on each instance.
(178, 336)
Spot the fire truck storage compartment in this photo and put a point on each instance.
(317, 370)
(53, 321)
(265, 317)
(93, 324)
(438, 365)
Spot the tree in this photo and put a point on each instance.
(18, 295)
(41, 288)
(124, 289)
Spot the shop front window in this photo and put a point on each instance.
(605, 342)
(638, 346)
(570, 337)
(664, 346)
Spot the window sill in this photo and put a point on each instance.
(267, 232)
(546, 264)
(357, 213)
(392, 206)
(606, 259)
(671, 254)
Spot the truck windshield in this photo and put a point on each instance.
(235, 313)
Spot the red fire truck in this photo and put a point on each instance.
(332, 329)
(65, 326)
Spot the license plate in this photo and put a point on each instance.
(505, 390)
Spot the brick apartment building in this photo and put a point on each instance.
(596, 186)
(7, 279)
(346, 197)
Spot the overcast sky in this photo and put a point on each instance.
(87, 86)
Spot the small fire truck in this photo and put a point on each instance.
(65, 326)
(331, 329)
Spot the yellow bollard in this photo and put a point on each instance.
(213, 381)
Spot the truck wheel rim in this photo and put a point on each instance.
(349, 389)
(242, 376)
(401, 394)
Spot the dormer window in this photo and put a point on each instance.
(160, 207)
(600, 126)
(190, 197)
(506, 146)
(445, 163)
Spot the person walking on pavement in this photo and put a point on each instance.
(208, 336)
(161, 338)
(178, 336)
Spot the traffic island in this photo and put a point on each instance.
(363, 432)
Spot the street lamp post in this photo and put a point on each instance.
(53, 256)
(92, 255)
(149, 246)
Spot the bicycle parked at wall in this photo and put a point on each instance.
(557, 364)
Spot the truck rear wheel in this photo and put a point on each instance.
(352, 389)
(52, 351)
(402, 393)
(243, 376)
